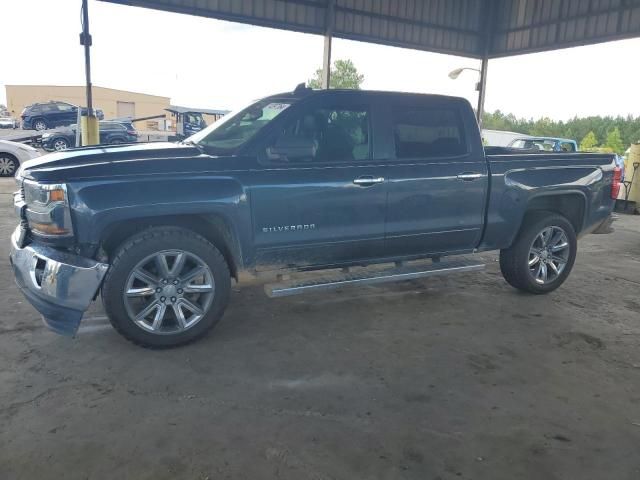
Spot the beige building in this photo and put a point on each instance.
(114, 103)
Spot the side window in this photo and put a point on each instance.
(428, 132)
(567, 147)
(49, 108)
(338, 134)
(63, 107)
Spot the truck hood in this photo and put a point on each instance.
(118, 160)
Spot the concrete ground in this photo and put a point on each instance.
(454, 378)
(10, 133)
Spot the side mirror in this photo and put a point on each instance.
(289, 148)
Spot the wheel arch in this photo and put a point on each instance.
(4, 153)
(214, 227)
(34, 120)
(570, 204)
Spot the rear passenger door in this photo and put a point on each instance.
(51, 114)
(67, 114)
(437, 177)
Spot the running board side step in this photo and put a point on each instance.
(295, 287)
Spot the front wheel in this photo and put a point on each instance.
(60, 144)
(543, 254)
(8, 165)
(166, 287)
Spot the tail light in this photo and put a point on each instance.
(615, 185)
(132, 132)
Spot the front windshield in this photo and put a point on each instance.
(235, 129)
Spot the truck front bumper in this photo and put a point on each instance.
(59, 285)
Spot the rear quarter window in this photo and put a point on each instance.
(428, 132)
(64, 107)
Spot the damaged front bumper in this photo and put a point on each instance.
(59, 285)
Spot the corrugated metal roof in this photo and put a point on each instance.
(535, 25)
(459, 27)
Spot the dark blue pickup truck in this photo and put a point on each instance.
(330, 180)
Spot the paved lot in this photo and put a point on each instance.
(461, 377)
(9, 133)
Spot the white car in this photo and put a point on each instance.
(8, 122)
(12, 154)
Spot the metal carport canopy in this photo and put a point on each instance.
(469, 28)
(482, 29)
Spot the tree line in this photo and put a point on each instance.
(610, 134)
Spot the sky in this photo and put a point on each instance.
(209, 63)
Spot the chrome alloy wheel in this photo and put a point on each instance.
(169, 292)
(60, 145)
(7, 166)
(549, 254)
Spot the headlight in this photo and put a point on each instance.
(46, 135)
(48, 210)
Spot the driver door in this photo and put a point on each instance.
(327, 207)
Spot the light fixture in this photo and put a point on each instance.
(453, 74)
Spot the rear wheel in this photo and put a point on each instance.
(543, 254)
(167, 286)
(8, 165)
(40, 124)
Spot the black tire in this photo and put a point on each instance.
(514, 261)
(40, 122)
(8, 165)
(116, 141)
(144, 244)
(62, 142)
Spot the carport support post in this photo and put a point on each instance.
(89, 123)
(489, 9)
(481, 89)
(328, 38)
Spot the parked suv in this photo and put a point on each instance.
(41, 116)
(111, 133)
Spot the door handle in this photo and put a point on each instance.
(469, 176)
(368, 180)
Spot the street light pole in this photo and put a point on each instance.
(480, 86)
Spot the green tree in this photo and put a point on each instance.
(545, 127)
(344, 74)
(589, 142)
(628, 127)
(614, 141)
